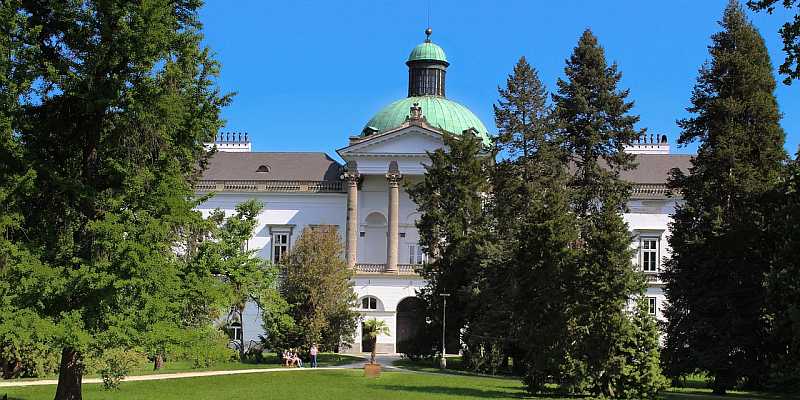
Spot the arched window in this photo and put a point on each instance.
(369, 303)
(263, 168)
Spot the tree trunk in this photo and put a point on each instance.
(158, 362)
(11, 369)
(241, 330)
(720, 384)
(70, 375)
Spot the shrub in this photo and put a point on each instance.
(421, 347)
(206, 347)
(115, 364)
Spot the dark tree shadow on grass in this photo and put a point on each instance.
(456, 391)
(689, 394)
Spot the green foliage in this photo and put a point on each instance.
(97, 161)
(454, 228)
(318, 293)
(204, 348)
(371, 329)
(536, 228)
(594, 125)
(115, 364)
(639, 375)
(423, 346)
(783, 281)
(790, 33)
(245, 276)
(721, 252)
(28, 346)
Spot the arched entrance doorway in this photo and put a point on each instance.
(410, 322)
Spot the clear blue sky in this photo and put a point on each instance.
(310, 73)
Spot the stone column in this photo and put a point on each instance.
(393, 178)
(351, 242)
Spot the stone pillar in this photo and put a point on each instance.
(393, 178)
(351, 242)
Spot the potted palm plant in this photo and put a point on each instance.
(372, 328)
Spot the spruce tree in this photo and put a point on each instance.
(524, 297)
(454, 228)
(715, 278)
(595, 125)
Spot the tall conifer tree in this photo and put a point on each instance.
(595, 125)
(535, 227)
(454, 227)
(113, 134)
(715, 278)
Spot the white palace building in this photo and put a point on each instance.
(365, 198)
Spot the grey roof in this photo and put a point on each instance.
(282, 167)
(654, 168)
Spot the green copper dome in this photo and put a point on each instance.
(427, 51)
(439, 112)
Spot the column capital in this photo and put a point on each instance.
(350, 176)
(350, 172)
(394, 176)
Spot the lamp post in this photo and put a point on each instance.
(443, 360)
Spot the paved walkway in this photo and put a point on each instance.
(385, 360)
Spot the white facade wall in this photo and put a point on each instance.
(282, 211)
(390, 291)
(292, 212)
(651, 218)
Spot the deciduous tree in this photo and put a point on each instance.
(318, 289)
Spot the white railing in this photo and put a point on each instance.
(268, 186)
(402, 269)
(652, 277)
(651, 191)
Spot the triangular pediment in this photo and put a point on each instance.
(406, 141)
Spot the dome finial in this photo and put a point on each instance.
(428, 34)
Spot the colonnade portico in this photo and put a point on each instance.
(393, 179)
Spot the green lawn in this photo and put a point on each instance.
(270, 361)
(333, 385)
(306, 385)
(696, 388)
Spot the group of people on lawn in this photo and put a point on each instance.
(291, 357)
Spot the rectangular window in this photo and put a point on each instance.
(280, 246)
(415, 255)
(649, 254)
(652, 305)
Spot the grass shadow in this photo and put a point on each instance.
(697, 394)
(458, 392)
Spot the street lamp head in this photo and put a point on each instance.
(444, 294)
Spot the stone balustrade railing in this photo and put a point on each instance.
(269, 186)
(652, 277)
(402, 269)
(651, 191)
